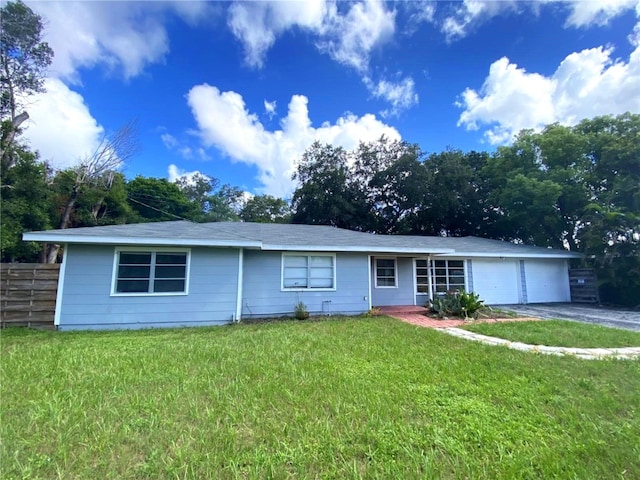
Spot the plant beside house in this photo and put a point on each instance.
(300, 311)
(457, 303)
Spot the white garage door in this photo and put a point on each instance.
(547, 281)
(496, 281)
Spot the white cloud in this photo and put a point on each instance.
(421, 12)
(225, 123)
(258, 24)
(169, 140)
(585, 84)
(401, 95)
(270, 108)
(174, 173)
(471, 13)
(587, 13)
(61, 126)
(123, 36)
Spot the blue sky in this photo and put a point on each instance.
(238, 90)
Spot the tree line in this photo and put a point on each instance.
(574, 187)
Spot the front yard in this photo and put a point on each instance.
(342, 398)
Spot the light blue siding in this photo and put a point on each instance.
(403, 294)
(263, 297)
(87, 302)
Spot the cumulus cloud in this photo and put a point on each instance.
(122, 36)
(61, 126)
(174, 173)
(585, 84)
(225, 123)
(587, 13)
(347, 36)
(270, 108)
(401, 95)
(471, 13)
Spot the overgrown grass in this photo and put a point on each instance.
(559, 333)
(345, 399)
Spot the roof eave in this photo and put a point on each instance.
(120, 240)
(358, 249)
(514, 255)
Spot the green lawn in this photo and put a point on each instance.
(559, 333)
(344, 399)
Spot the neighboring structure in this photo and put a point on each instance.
(183, 273)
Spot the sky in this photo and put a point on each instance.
(239, 90)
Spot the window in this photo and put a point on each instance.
(448, 275)
(422, 276)
(308, 272)
(151, 272)
(386, 272)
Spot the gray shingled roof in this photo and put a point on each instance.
(272, 236)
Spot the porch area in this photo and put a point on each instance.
(415, 315)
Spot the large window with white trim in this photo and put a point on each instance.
(448, 275)
(386, 272)
(302, 272)
(150, 272)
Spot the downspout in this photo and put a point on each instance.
(59, 293)
(238, 314)
(429, 279)
(369, 275)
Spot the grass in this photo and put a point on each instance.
(559, 333)
(343, 398)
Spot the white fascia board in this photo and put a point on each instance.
(365, 249)
(513, 255)
(116, 240)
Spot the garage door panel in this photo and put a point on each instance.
(547, 281)
(496, 281)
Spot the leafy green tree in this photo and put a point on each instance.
(24, 59)
(324, 195)
(25, 202)
(266, 209)
(215, 203)
(157, 199)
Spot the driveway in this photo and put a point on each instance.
(608, 317)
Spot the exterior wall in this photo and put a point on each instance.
(404, 293)
(87, 302)
(547, 280)
(262, 295)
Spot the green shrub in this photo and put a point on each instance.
(457, 303)
(300, 311)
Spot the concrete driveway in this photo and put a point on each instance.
(608, 317)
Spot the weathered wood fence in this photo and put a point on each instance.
(583, 285)
(28, 294)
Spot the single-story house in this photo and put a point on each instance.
(181, 273)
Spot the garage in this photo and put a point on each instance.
(547, 281)
(497, 281)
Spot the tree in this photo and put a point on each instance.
(157, 199)
(324, 195)
(215, 203)
(96, 173)
(25, 197)
(266, 209)
(24, 59)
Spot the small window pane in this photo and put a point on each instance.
(386, 262)
(132, 286)
(165, 271)
(421, 263)
(386, 272)
(127, 271)
(165, 286)
(423, 288)
(386, 282)
(455, 263)
(295, 282)
(295, 261)
(440, 263)
(322, 261)
(321, 283)
(171, 258)
(135, 258)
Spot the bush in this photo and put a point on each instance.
(457, 303)
(300, 311)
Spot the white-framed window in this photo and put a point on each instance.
(145, 271)
(447, 275)
(386, 273)
(422, 276)
(312, 271)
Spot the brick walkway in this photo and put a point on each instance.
(416, 316)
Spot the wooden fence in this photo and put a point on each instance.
(28, 294)
(583, 285)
